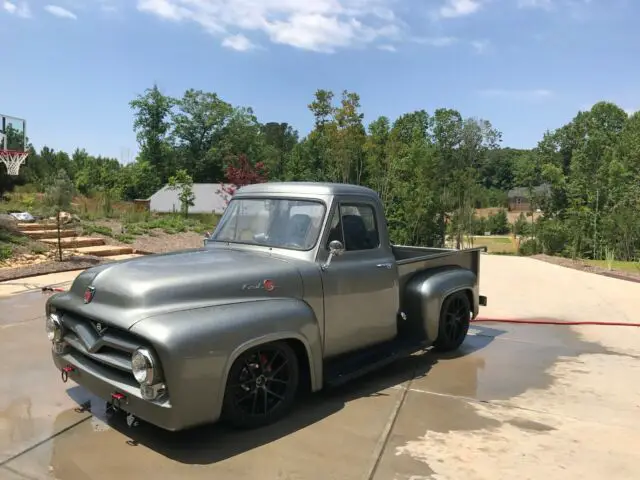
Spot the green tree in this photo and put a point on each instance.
(153, 127)
(58, 198)
(183, 183)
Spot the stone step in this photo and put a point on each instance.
(105, 250)
(122, 257)
(29, 227)
(43, 234)
(75, 242)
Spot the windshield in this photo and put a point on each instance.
(273, 222)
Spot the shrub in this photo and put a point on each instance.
(530, 247)
(553, 236)
(5, 252)
(498, 223)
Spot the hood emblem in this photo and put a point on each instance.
(88, 294)
(267, 285)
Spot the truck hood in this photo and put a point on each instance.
(128, 291)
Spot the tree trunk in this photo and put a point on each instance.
(59, 239)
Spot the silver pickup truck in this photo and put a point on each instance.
(297, 288)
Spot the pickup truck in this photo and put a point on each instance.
(298, 287)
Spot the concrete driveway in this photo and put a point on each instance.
(518, 401)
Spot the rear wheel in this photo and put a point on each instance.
(261, 386)
(455, 317)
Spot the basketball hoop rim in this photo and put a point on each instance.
(13, 160)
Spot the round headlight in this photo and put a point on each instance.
(143, 366)
(53, 326)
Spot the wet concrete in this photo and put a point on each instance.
(516, 401)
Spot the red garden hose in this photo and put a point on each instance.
(550, 322)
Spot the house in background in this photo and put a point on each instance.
(519, 200)
(209, 198)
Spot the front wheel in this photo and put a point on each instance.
(455, 317)
(261, 386)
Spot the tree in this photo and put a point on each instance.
(58, 198)
(183, 183)
(241, 172)
(152, 124)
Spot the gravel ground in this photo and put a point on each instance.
(162, 242)
(585, 267)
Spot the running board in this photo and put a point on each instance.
(341, 371)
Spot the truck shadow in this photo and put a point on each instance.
(211, 444)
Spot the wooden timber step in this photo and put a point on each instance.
(29, 227)
(105, 250)
(75, 242)
(43, 234)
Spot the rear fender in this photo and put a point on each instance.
(426, 291)
(197, 347)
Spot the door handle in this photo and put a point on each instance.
(388, 266)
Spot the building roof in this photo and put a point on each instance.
(208, 197)
(543, 189)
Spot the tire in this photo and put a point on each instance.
(261, 386)
(455, 317)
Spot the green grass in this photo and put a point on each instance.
(633, 267)
(498, 245)
(91, 228)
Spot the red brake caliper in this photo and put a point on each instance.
(264, 363)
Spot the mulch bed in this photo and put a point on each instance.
(585, 267)
(73, 263)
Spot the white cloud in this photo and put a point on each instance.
(480, 46)
(459, 8)
(544, 4)
(517, 94)
(60, 12)
(437, 41)
(317, 25)
(387, 48)
(18, 8)
(238, 42)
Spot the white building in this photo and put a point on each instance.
(209, 198)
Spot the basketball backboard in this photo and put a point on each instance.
(13, 132)
(13, 142)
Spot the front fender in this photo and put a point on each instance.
(197, 347)
(425, 292)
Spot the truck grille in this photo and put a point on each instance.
(104, 344)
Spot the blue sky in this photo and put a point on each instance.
(526, 65)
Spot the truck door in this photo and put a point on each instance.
(360, 286)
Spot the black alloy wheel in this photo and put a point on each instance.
(455, 318)
(261, 386)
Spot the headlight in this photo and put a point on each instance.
(53, 326)
(144, 367)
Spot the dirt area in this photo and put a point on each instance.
(29, 265)
(585, 267)
(42, 268)
(511, 216)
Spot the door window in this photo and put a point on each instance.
(355, 226)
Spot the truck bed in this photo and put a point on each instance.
(412, 259)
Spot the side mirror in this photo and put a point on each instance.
(206, 238)
(336, 248)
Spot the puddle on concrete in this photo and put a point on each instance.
(496, 363)
(21, 307)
